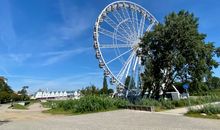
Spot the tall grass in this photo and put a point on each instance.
(168, 104)
(207, 109)
(90, 103)
(94, 103)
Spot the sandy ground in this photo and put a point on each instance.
(34, 112)
(33, 119)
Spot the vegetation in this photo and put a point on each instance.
(104, 89)
(176, 51)
(18, 106)
(129, 82)
(8, 95)
(169, 104)
(93, 90)
(207, 111)
(23, 93)
(87, 104)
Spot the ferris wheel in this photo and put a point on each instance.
(117, 34)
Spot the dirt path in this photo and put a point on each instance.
(115, 120)
(34, 112)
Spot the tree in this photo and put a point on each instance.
(214, 83)
(23, 93)
(5, 87)
(90, 90)
(5, 97)
(105, 86)
(176, 52)
(129, 82)
(110, 91)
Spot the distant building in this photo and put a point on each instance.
(56, 95)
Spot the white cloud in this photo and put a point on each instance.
(60, 83)
(19, 58)
(76, 20)
(54, 57)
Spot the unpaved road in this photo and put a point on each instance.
(34, 112)
(113, 120)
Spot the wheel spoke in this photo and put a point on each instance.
(112, 35)
(121, 20)
(125, 65)
(141, 27)
(119, 56)
(119, 29)
(115, 46)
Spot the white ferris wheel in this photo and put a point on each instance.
(116, 36)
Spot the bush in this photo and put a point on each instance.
(167, 104)
(18, 106)
(120, 103)
(207, 109)
(150, 102)
(89, 103)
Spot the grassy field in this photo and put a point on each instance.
(90, 104)
(169, 104)
(211, 111)
(87, 104)
(18, 106)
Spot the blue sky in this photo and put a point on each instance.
(47, 44)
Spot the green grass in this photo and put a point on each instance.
(90, 104)
(198, 115)
(59, 111)
(87, 104)
(18, 106)
(169, 104)
(215, 92)
(210, 111)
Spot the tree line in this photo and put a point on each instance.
(8, 95)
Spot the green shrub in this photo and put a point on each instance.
(18, 106)
(120, 103)
(150, 102)
(167, 104)
(207, 109)
(89, 103)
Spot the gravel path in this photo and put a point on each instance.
(115, 120)
(33, 119)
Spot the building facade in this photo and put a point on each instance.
(56, 95)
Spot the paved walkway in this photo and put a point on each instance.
(115, 120)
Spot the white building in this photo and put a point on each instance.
(56, 95)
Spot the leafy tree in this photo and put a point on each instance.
(105, 86)
(23, 90)
(23, 93)
(110, 91)
(214, 83)
(90, 90)
(5, 97)
(176, 51)
(5, 87)
(129, 82)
